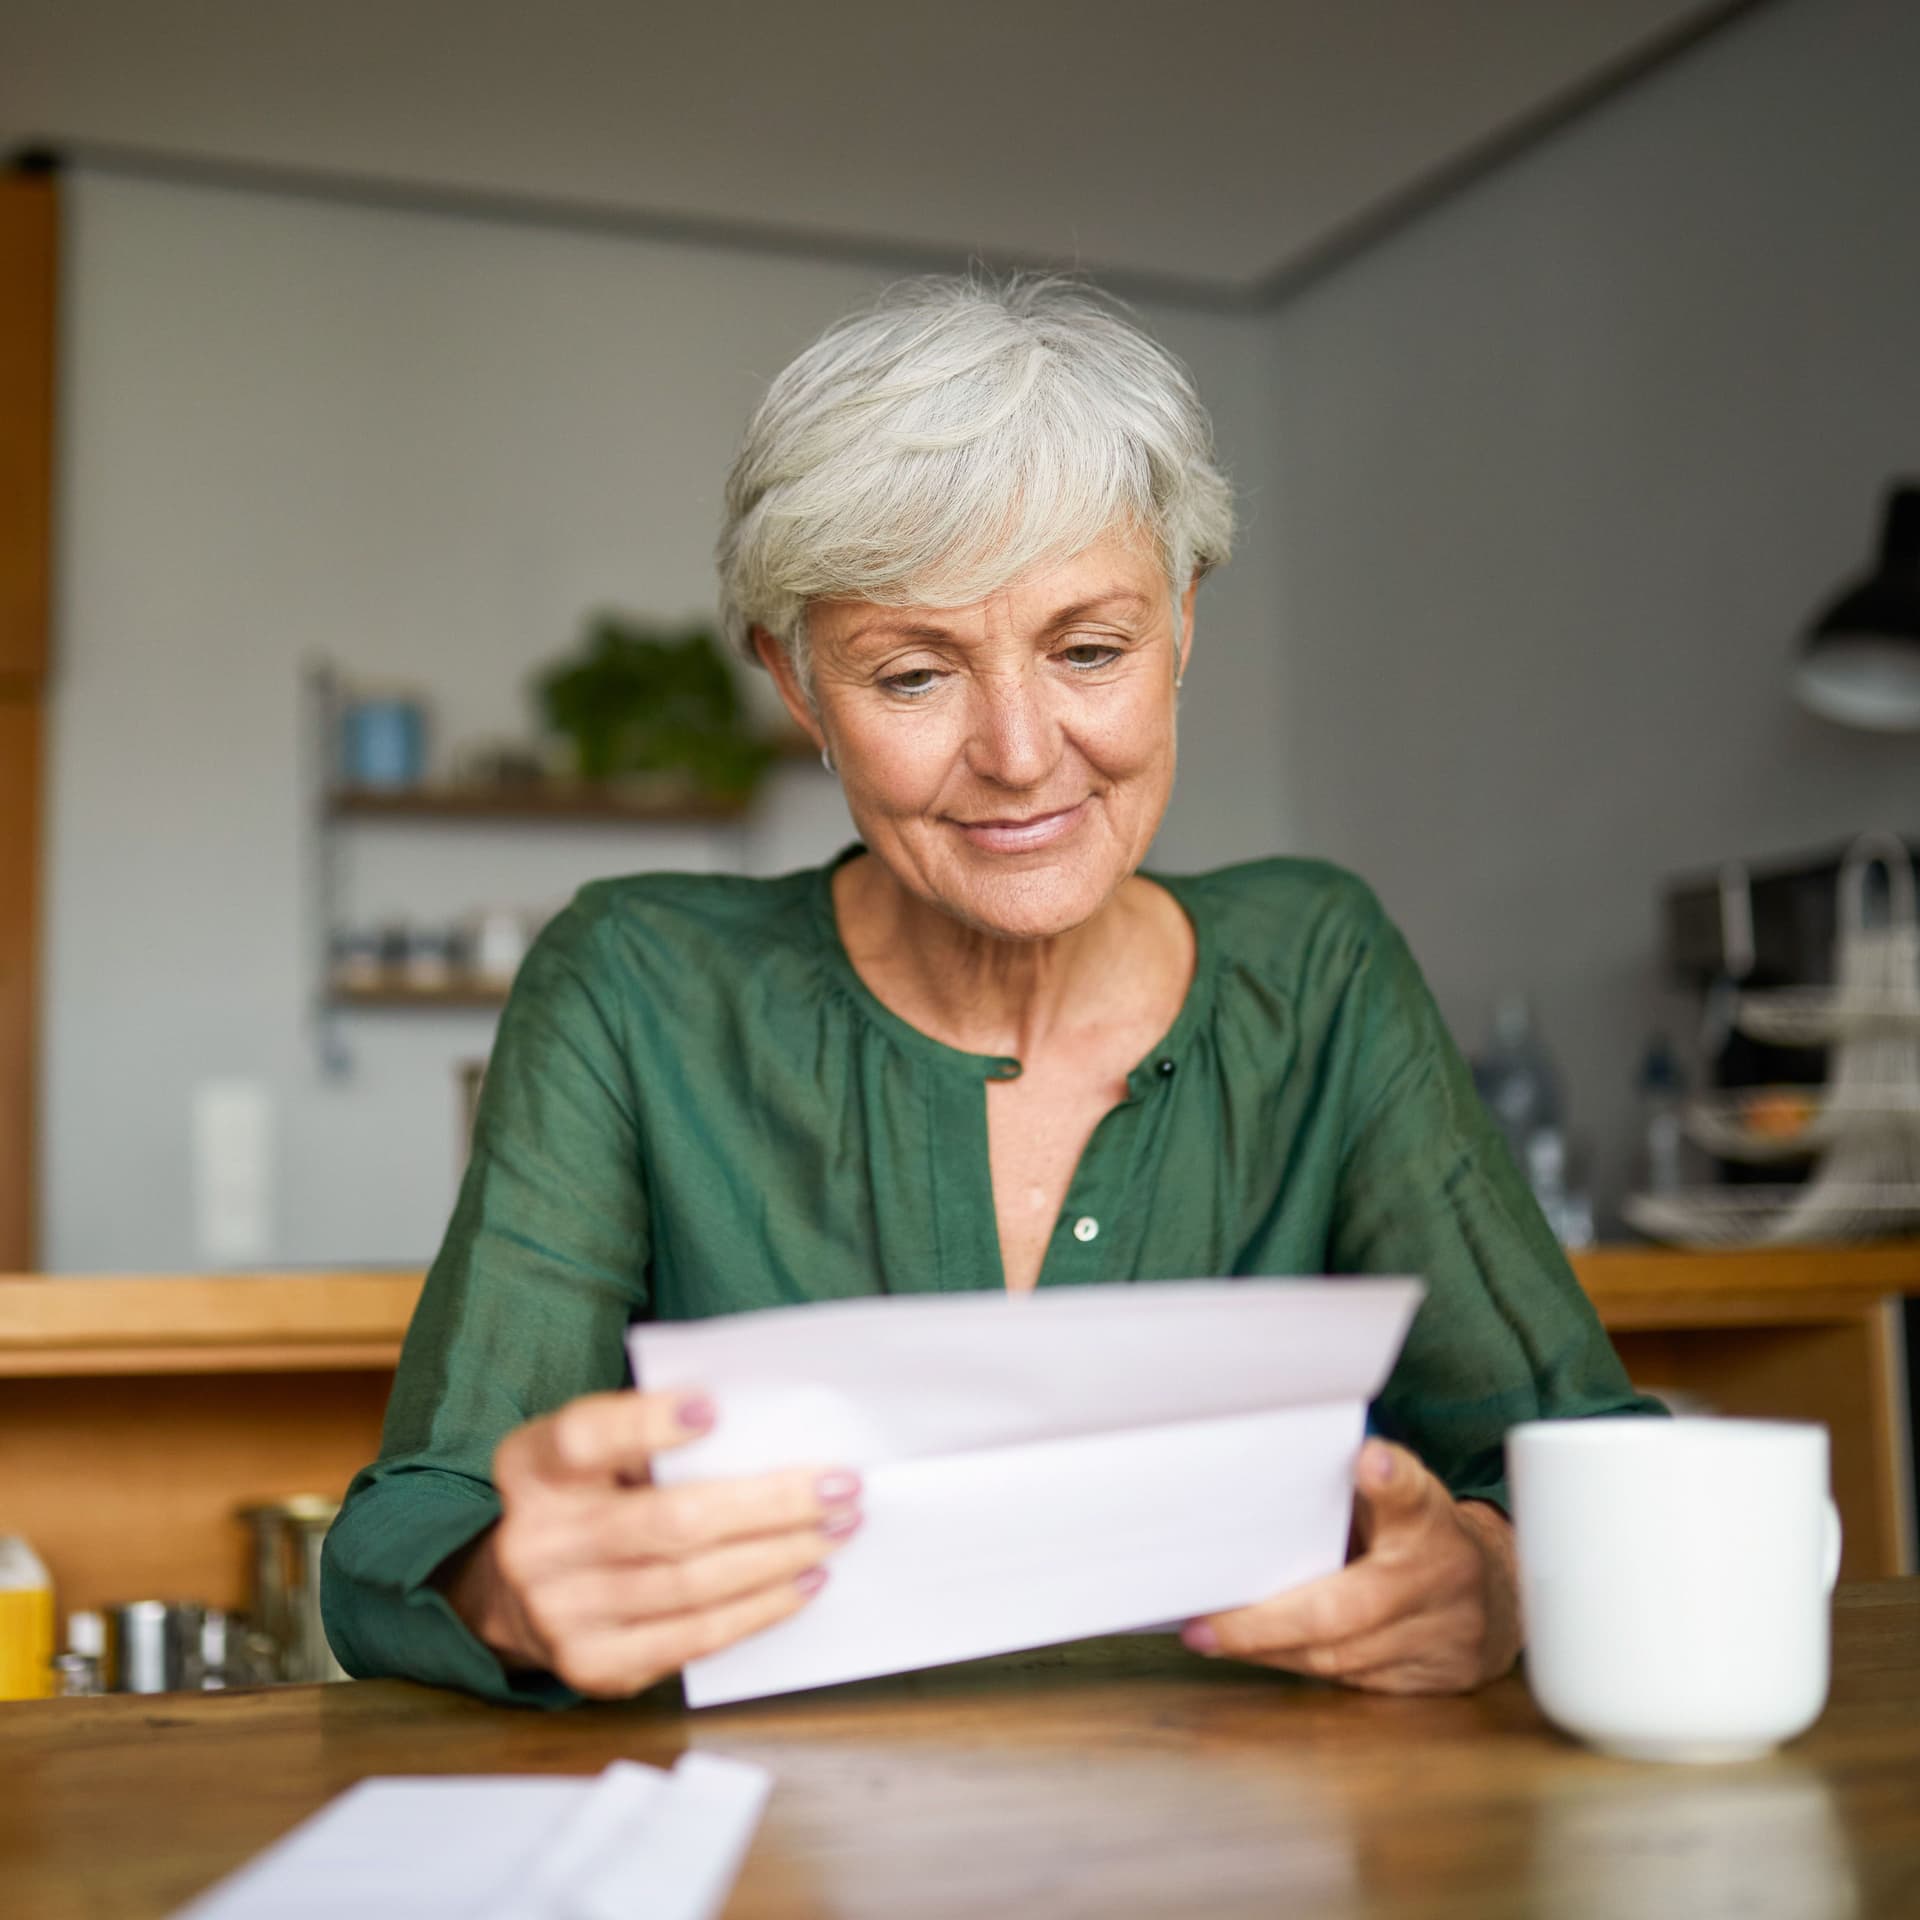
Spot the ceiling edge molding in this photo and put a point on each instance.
(904, 257)
(1500, 149)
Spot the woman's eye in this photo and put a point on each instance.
(1088, 655)
(916, 680)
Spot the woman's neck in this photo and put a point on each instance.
(985, 994)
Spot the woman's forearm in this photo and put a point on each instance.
(474, 1589)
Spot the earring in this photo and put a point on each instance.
(826, 760)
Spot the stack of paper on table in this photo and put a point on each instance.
(1039, 1468)
(544, 1847)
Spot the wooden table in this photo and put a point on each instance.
(1113, 1779)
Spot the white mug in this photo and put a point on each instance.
(1675, 1580)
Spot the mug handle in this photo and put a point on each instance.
(1834, 1537)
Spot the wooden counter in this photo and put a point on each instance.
(136, 1413)
(1114, 1780)
(1794, 1333)
(78, 1327)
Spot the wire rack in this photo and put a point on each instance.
(1775, 1216)
(1760, 1125)
(1864, 1125)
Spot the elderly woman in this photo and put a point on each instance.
(982, 1049)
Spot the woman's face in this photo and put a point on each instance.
(1008, 761)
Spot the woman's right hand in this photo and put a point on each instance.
(610, 1584)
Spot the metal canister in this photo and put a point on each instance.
(231, 1654)
(152, 1647)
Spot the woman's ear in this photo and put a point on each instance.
(1184, 650)
(779, 663)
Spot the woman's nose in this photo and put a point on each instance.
(1014, 741)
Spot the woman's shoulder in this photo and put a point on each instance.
(733, 901)
(1282, 903)
(1307, 931)
(679, 925)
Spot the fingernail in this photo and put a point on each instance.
(835, 1489)
(696, 1413)
(1199, 1637)
(812, 1580)
(1380, 1467)
(842, 1525)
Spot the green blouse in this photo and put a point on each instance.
(695, 1106)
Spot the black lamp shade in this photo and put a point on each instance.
(1860, 663)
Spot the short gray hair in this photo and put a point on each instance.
(961, 431)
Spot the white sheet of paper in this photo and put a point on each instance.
(635, 1840)
(1041, 1467)
(606, 1813)
(697, 1837)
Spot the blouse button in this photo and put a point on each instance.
(1085, 1227)
(1166, 1069)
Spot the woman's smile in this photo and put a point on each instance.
(1023, 833)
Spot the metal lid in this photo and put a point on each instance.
(299, 1509)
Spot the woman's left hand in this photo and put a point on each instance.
(1430, 1605)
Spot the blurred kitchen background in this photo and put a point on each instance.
(1564, 358)
(368, 378)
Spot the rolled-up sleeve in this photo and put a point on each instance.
(543, 1266)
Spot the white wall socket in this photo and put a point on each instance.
(233, 1171)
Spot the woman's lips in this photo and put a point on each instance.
(1023, 834)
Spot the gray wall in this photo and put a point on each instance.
(1537, 493)
(423, 446)
(1563, 468)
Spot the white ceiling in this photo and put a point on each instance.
(1217, 142)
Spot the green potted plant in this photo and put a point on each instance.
(638, 702)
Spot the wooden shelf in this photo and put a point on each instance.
(403, 995)
(552, 805)
(69, 1326)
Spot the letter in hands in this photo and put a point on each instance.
(609, 1583)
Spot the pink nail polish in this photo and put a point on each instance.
(837, 1488)
(696, 1413)
(843, 1524)
(1199, 1637)
(812, 1580)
